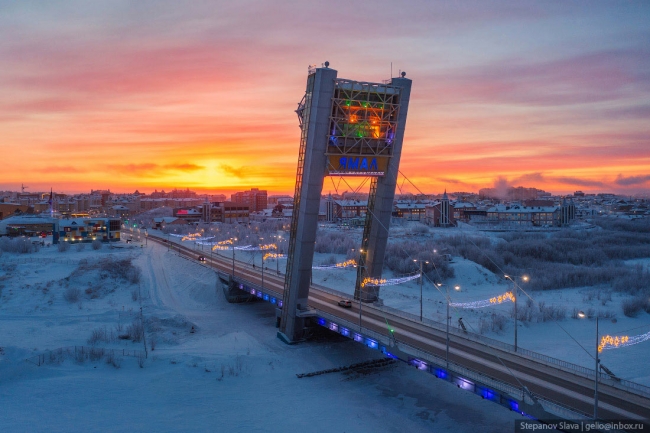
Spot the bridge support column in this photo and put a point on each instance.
(312, 162)
(380, 206)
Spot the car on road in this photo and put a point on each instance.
(201, 258)
(345, 303)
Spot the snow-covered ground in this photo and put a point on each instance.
(231, 374)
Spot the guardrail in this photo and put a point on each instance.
(548, 405)
(477, 338)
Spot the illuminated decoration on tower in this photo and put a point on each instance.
(362, 128)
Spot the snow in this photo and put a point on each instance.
(182, 387)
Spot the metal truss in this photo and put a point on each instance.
(363, 119)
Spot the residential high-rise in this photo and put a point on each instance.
(255, 199)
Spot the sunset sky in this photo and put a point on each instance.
(201, 94)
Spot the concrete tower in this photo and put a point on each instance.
(348, 128)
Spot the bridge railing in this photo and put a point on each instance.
(549, 360)
(586, 372)
(496, 384)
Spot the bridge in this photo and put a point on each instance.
(536, 385)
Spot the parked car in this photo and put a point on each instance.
(345, 303)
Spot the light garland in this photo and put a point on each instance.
(345, 264)
(396, 281)
(609, 342)
(273, 256)
(258, 248)
(372, 282)
(384, 282)
(506, 297)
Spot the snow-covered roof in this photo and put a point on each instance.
(523, 209)
(350, 203)
(24, 220)
(463, 205)
(165, 219)
(407, 206)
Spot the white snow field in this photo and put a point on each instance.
(231, 375)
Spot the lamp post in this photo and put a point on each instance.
(514, 293)
(277, 259)
(146, 238)
(360, 289)
(233, 256)
(262, 271)
(582, 315)
(448, 320)
(421, 281)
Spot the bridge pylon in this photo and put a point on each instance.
(348, 128)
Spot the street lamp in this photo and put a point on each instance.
(421, 281)
(360, 288)
(582, 315)
(263, 270)
(233, 256)
(448, 318)
(277, 260)
(514, 293)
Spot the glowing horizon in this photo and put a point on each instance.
(125, 97)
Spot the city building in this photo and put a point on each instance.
(254, 199)
(88, 230)
(518, 215)
(11, 209)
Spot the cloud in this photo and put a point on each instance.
(151, 169)
(605, 75)
(530, 177)
(537, 180)
(632, 180)
(183, 167)
(60, 169)
(450, 180)
(239, 172)
(578, 181)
